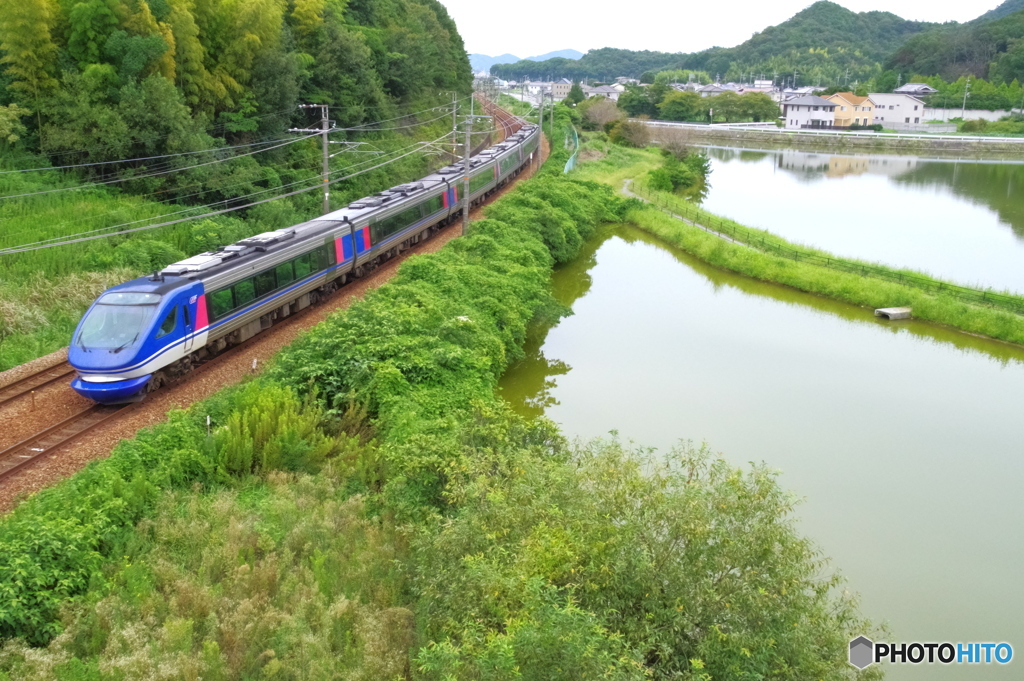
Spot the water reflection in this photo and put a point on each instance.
(902, 436)
(958, 219)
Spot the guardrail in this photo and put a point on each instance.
(783, 132)
(714, 224)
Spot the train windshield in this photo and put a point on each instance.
(117, 321)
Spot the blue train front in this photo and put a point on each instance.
(136, 336)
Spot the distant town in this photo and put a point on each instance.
(806, 107)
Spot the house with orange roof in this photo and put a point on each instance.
(851, 109)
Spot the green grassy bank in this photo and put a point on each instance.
(614, 165)
(370, 509)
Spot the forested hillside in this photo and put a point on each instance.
(97, 80)
(989, 49)
(198, 95)
(1008, 7)
(823, 43)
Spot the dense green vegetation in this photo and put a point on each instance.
(618, 164)
(821, 42)
(990, 49)
(216, 85)
(825, 44)
(370, 509)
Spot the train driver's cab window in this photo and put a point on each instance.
(169, 323)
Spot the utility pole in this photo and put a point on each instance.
(469, 120)
(325, 128)
(967, 90)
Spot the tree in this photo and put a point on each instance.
(759, 107)
(598, 112)
(28, 49)
(92, 22)
(575, 93)
(681, 106)
(632, 133)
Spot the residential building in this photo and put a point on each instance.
(897, 111)
(607, 91)
(915, 89)
(624, 80)
(808, 111)
(712, 90)
(560, 89)
(686, 87)
(851, 109)
(802, 91)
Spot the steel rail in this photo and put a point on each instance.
(34, 381)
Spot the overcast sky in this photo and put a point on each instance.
(542, 26)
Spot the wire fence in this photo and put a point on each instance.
(714, 224)
(571, 163)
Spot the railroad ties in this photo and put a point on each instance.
(18, 456)
(35, 382)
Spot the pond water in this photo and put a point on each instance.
(904, 438)
(961, 220)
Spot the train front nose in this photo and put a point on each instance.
(108, 345)
(116, 391)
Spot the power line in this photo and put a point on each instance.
(44, 244)
(141, 158)
(155, 174)
(60, 239)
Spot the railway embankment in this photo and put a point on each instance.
(370, 505)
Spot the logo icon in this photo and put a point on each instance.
(861, 652)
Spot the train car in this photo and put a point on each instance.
(138, 335)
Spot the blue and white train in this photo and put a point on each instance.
(140, 334)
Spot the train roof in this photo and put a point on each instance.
(214, 262)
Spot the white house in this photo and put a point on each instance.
(915, 89)
(898, 112)
(808, 112)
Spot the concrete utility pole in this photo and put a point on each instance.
(469, 120)
(324, 129)
(967, 90)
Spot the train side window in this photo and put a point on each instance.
(285, 273)
(169, 324)
(266, 282)
(320, 259)
(245, 292)
(222, 302)
(303, 267)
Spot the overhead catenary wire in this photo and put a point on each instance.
(315, 177)
(143, 158)
(197, 184)
(156, 174)
(65, 242)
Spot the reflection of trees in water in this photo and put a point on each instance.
(995, 185)
(533, 377)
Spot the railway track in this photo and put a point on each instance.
(35, 381)
(59, 435)
(508, 123)
(45, 442)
